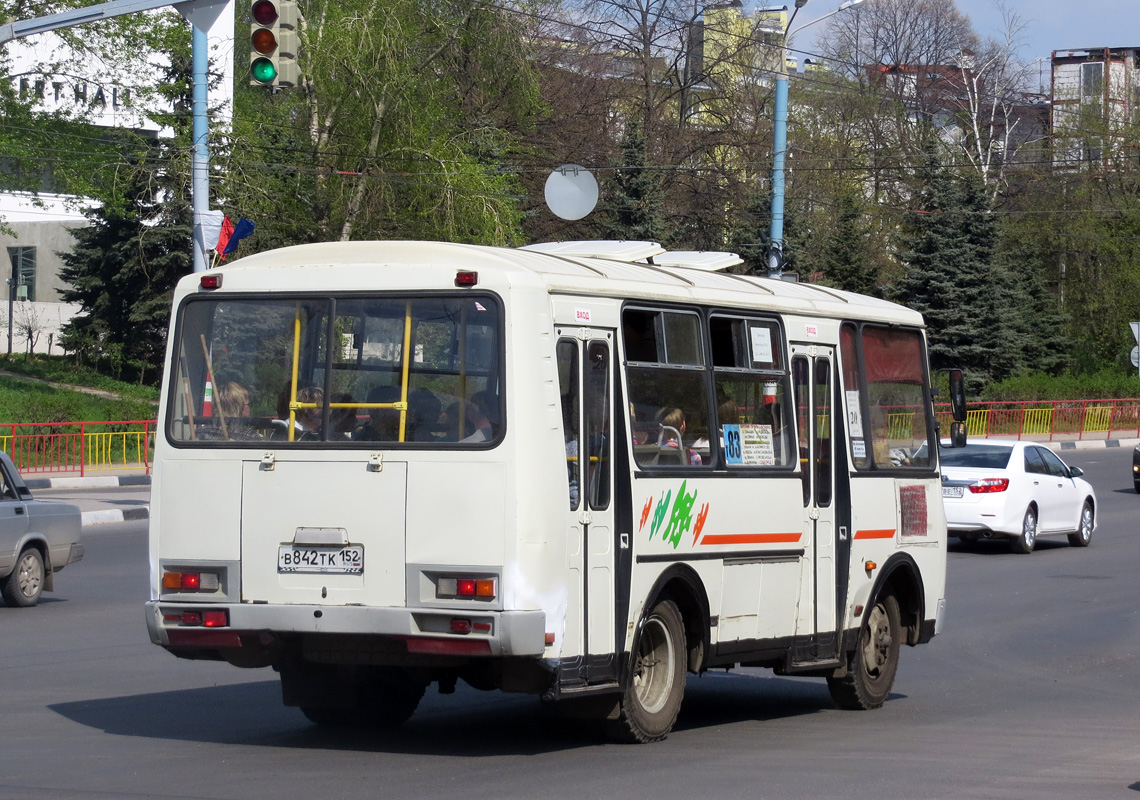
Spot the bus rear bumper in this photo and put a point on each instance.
(182, 626)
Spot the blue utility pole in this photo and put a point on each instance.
(780, 141)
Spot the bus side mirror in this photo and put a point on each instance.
(957, 395)
(957, 434)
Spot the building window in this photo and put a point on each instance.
(23, 261)
(1092, 80)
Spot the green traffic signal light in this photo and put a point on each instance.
(262, 70)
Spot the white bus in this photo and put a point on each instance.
(384, 465)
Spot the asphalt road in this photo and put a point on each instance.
(1031, 692)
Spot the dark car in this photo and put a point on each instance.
(37, 539)
(1136, 468)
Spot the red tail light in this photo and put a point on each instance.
(989, 485)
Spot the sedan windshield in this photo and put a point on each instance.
(986, 456)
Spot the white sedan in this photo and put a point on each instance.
(1019, 490)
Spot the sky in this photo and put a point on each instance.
(1049, 24)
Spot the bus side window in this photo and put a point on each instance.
(668, 383)
(568, 373)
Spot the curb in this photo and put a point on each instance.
(1094, 444)
(98, 482)
(114, 515)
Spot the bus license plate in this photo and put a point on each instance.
(951, 491)
(336, 560)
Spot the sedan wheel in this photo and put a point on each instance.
(1028, 538)
(1084, 533)
(24, 586)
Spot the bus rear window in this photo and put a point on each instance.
(338, 371)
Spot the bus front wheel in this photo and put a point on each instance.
(871, 672)
(650, 703)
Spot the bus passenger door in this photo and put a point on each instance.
(586, 377)
(813, 384)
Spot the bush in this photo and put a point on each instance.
(1103, 385)
(26, 401)
(63, 369)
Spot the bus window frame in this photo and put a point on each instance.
(873, 467)
(330, 298)
(782, 375)
(704, 369)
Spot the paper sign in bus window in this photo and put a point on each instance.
(749, 445)
(761, 345)
(854, 412)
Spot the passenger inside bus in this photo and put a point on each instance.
(489, 406)
(383, 423)
(232, 419)
(424, 410)
(475, 425)
(342, 420)
(672, 422)
(307, 424)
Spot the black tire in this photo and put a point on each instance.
(1027, 539)
(386, 700)
(1084, 533)
(26, 583)
(872, 667)
(651, 702)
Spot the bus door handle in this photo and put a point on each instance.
(268, 461)
(624, 541)
(843, 533)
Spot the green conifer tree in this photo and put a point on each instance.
(954, 279)
(845, 264)
(637, 204)
(124, 265)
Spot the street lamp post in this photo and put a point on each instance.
(780, 143)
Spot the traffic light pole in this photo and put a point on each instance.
(201, 14)
(200, 158)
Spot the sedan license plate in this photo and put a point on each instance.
(348, 560)
(951, 491)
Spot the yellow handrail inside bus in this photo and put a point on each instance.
(406, 370)
(293, 379)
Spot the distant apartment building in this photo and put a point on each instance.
(1095, 96)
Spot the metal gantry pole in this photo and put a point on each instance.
(200, 159)
(201, 14)
(780, 140)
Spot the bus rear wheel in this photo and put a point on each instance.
(650, 704)
(383, 699)
(872, 667)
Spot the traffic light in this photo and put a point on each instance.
(273, 44)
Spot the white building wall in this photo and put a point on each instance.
(106, 95)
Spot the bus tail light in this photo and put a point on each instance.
(190, 581)
(216, 618)
(467, 587)
(466, 278)
(989, 485)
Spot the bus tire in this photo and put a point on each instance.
(650, 704)
(872, 667)
(385, 700)
(24, 586)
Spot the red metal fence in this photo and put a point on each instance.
(85, 447)
(81, 447)
(1051, 420)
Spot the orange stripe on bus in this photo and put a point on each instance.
(751, 538)
(888, 533)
